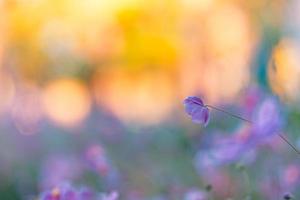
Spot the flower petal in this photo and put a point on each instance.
(195, 107)
(267, 121)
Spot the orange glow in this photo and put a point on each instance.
(284, 70)
(228, 31)
(3, 24)
(144, 97)
(201, 5)
(66, 101)
(216, 80)
(215, 60)
(208, 42)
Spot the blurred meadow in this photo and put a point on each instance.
(92, 91)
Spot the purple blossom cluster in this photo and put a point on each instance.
(259, 124)
(58, 168)
(97, 159)
(195, 194)
(265, 123)
(66, 191)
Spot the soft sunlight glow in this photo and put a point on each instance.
(216, 53)
(142, 97)
(201, 5)
(66, 101)
(284, 70)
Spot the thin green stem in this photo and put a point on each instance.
(246, 180)
(248, 183)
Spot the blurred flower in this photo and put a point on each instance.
(197, 110)
(98, 160)
(58, 168)
(195, 195)
(290, 176)
(267, 121)
(279, 179)
(204, 163)
(224, 151)
(112, 196)
(227, 150)
(251, 99)
(66, 191)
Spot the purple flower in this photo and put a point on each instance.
(195, 195)
(222, 152)
(195, 107)
(66, 192)
(227, 150)
(86, 194)
(58, 168)
(98, 160)
(62, 192)
(111, 196)
(267, 121)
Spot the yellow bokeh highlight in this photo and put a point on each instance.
(284, 70)
(146, 98)
(216, 52)
(228, 30)
(199, 5)
(164, 50)
(66, 101)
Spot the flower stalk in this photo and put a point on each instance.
(249, 121)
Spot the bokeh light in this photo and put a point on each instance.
(143, 97)
(284, 70)
(66, 101)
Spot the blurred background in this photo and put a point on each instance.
(91, 91)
